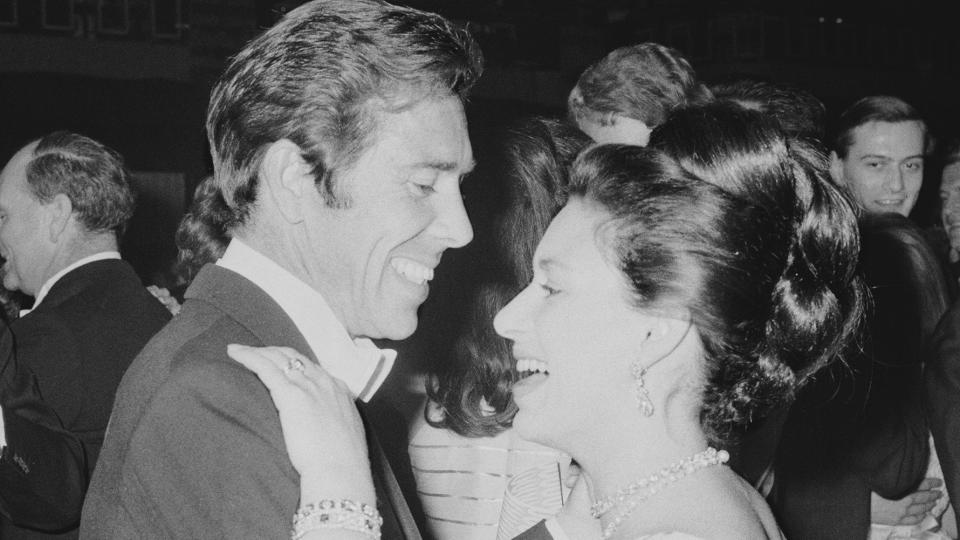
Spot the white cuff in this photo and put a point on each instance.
(556, 531)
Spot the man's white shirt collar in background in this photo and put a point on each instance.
(357, 362)
(42, 293)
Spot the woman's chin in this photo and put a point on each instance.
(531, 421)
(527, 427)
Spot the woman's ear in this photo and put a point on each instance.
(663, 335)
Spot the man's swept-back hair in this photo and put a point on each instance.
(89, 173)
(644, 82)
(318, 77)
(875, 109)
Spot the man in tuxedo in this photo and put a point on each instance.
(64, 199)
(339, 141)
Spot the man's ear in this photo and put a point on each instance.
(59, 213)
(836, 168)
(285, 178)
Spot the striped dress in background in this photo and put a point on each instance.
(463, 482)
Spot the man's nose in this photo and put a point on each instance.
(453, 224)
(895, 181)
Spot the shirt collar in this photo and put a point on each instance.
(357, 362)
(42, 293)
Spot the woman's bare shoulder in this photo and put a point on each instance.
(738, 512)
(727, 508)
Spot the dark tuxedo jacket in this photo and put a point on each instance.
(195, 448)
(859, 426)
(943, 397)
(60, 365)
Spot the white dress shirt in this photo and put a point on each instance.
(357, 362)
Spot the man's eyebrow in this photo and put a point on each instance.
(876, 156)
(445, 166)
(888, 158)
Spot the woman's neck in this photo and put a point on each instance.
(626, 457)
(622, 456)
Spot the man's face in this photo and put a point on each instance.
(950, 202)
(375, 259)
(884, 166)
(22, 240)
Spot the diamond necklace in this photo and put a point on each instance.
(651, 485)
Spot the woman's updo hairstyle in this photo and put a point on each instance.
(726, 219)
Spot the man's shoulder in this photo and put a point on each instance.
(199, 331)
(187, 417)
(117, 285)
(189, 351)
(100, 293)
(202, 356)
(183, 365)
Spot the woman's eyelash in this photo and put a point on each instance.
(547, 288)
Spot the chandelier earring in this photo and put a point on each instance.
(638, 370)
(640, 393)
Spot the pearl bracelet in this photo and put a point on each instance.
(342, 514)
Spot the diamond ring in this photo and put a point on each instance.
(293, 364)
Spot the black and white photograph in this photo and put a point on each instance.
(479, 269)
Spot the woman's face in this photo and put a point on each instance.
(574, 325)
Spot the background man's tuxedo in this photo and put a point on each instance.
(859, 426)
(60, 367)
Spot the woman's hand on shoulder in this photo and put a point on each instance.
(321, 425)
